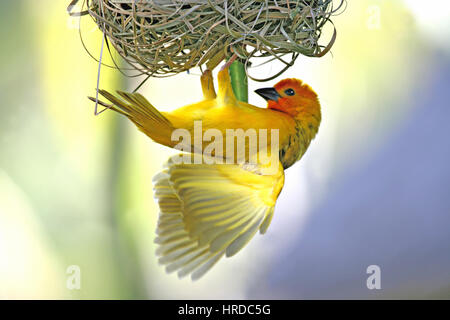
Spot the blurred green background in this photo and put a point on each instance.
(75, 189)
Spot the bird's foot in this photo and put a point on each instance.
(208, 85)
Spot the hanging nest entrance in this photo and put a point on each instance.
(165, 37)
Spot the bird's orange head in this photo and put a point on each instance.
(293, 97)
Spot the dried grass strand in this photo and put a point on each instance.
(161, 38)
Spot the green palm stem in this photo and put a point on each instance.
(239, 80)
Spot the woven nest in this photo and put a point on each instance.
(166, 37)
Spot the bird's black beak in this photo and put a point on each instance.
(268, 94)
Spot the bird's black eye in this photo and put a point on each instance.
(289, 92)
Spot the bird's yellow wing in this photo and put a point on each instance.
(208, 211)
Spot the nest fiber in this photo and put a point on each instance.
(166, 37)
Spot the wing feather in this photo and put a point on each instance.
(208, 211)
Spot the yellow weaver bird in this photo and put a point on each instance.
(211, 210)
